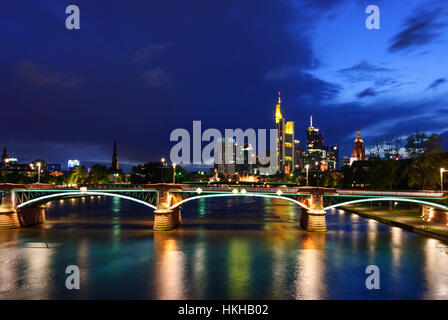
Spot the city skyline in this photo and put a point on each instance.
(226, 157)
(80, 89)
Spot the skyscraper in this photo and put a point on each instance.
(314, 138)
(115, 164)
(285, 141)
(333, 157)
(224, 156)
(316, 154)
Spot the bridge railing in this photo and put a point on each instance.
(239, 188)
(397, 193)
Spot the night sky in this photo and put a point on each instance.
(137, 70)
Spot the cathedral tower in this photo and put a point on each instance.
(358, 152)
(115, 164)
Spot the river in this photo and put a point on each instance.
(227, 248)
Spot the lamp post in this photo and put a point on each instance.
(161, 169)
(174, 173)
(306, 168)
(442, 170)
(38, 171)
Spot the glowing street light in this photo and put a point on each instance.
(161, 169)
(307, 167)
(174, 173)
(442, 170)
(38, 171)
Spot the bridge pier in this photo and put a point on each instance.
(165, 218)
(314, 219)
(9, 218)
(31, 216)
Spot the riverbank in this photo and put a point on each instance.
(407, 220)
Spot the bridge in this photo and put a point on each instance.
(23, 205)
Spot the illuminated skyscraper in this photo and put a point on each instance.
(285, 141)
(316, 154)
(314, 138)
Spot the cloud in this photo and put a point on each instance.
(419, 29)
(156, 77)
(369, 92)
(280, 73)
(33, 73)
(436, 83)
(147, 52)
(363, 71)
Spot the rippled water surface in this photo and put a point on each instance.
(227, 248)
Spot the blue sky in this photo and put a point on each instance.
(138, 70)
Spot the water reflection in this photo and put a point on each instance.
(169, 268)
(241, 249)
(36, 269)
(436, 269)
(239, 269)
(199, 266)
(396, 239)
(202, 206)
(310, 268)
(8, 259)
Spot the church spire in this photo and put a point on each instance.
(5, 157)
(311, 121)
(358, 136)
(115, 164)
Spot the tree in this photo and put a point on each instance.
(332, 179)
(98, 175)
(77, 175)
(152, 172)
(428, 156)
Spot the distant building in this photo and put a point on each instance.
(358, 152)
(53, 167)
(245, 161)
(115, 164)
(316, 154)
(224, 156)
(72, 164)
(233, 158)
(333, 157)
(298, 155)
(345, 161)
(319, 157)
(5, 158)
(314, 138)
(285, 141)
(9, 165)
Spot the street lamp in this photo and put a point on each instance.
(174, 173)
(38, 171)
(442, 170)
(306, 168)
(161, 169)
